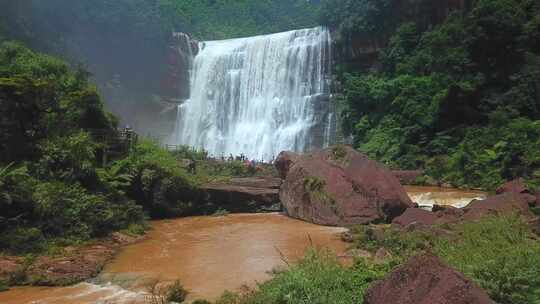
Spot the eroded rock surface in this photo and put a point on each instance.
(505, 204)
(245, 194)
(426, 280)
(339, 186)
(514, 186)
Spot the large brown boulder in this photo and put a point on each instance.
(284, 162)
(426, 280)
(508, 203)
(340, 186)
(415, 216)
(515, 186)
(418, 216)
(518, 186)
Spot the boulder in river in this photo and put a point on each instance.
(502, 204)
(426, 280)
(339, 186)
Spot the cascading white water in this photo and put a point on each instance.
(259, 95)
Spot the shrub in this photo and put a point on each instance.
(314, 184)
(220, 212)
(158, 182)
(339, 153)
(3, 286)
(72, 212)
(317, 278)
(70, 158)
(23, 240)
(176, 293)
(500, 254)
(229, 298)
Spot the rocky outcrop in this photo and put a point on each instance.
(502, 204)
(284, 162)
(415, 218)
(339, 186)
(508, 203)
(426, 280)
(245, 194)
(514, 186)
(175, 81)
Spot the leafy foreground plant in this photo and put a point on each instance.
(165, 294)
(317, 278)
(3, 286)
(499, 253)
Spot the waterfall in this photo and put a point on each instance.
(259, 95)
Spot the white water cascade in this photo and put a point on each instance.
(259, 95)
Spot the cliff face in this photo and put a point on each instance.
(175, 82)
(362, 50)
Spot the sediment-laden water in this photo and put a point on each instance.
(426, 197)
(209, 255)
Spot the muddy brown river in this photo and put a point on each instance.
(210, 254)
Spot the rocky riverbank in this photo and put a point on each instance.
(68, 266)
(247, 194)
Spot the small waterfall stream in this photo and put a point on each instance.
(259, 95)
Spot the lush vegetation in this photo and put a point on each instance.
(239, 18)
(49, 182)
(500, 253)
(54, 187)
(460, 99)
(317, 278)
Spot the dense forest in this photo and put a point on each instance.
(460, 98)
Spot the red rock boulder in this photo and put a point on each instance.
(518, 186)
(340, 186)
(415, 216)
(502, 204)
(426, 280)
(515, 186)
(284, 162)
(439, 215)
(244, 194)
